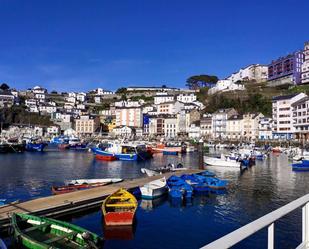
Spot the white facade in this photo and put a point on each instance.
(206, 126)
(52, 130)
(219, 120)
(265, 128)
(129, 103)
(97, 99)
(225, 86)
(194, 131)
(235, 127)
(38, 90)
(283, 115)
(305, 66)
(129, 116)
(101, 91)
(251, 125)
(71, 99)
(170, 107)
(123, 131)
(163, 97)
(30, 102)
(255, 72)
(81, 97)
(170, 127)
(186, 97)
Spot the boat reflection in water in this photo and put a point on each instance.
(154, 203)
(119, 232)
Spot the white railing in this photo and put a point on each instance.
(267, 220)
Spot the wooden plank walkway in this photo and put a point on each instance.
(75, 201)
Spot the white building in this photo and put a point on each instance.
(52, 130)
(97, 99)
(301, 118)
(45, 108)
(282, 112)
(265, 128)
(186, 97)
(81, 97)
(225, 86)
(162, 97)
(39, 90)
(235, 127)
(206, 126)
(254, 72)
(219, 120)
(305, 66)
(172, 107)
(101, 91)
(30, 102)
(123, 131)
(194, 131)
(129, 103)
(129, 116)
(71, 99)
(170, 126)
(251, 125)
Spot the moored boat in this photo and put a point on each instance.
(39, 146)
(154, 189)
(35, 232)
(119, 208)
(57, 190)
(301, 166)
(178, 188)
(221, 162)
(93, 181)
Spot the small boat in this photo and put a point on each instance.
(32, 146)
(169, 168)
(150, 172)
(35, 232)
(154, 189)
(302, 166)
(103, 155)
(196, 181)
(119, 208)
(2, 244)
(178, 188)
(221, 162)
(216, 183)
(57, 190)
(277, 149)
(93, 181)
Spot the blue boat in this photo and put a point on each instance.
(303, 166)
(179, 188)
(196, 181)
(216, 183)
(35, 146)
(79, 146)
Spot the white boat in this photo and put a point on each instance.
(93, 181)
(154, 189)
(2, 245)
(150, 172)
(221, 162)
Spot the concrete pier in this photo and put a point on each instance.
(68, 203)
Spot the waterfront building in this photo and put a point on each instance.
(170, 126)
(156, 125)
(219, 119)
(128, 103)
(235, 127)
(251, 125)
(206, 126)
(122, 131)
(129, 116)
(86, 124)
(225, 86)
(265, 128)
(282, 115)
(305, 66)
(162, 97)
(7, 99)
(52, 130)
(254, 72)
(286, 70)
(301, 118)
(186, 97)
(194, 130)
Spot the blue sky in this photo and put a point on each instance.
(79, 45)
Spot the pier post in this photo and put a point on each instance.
(200, 150)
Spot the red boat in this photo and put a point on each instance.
(56, 190)
(105, 157)
(119, 208)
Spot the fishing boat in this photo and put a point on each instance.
(103, 155)
(168, 148)
(57, 190)
(221, 162)
(93, 181)
(154, 189)
(178, 188)
(35, 232)
(168, 168)
(119, 208)
(36, 146)
(2, 244)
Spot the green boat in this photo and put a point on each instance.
(41, 233)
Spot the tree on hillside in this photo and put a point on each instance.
(199, 81)
(121, 90)
(4, 87)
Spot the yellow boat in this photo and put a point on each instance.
(119, 208)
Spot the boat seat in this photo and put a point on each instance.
(121, 205)
(36, 227)
(118, 197)
(52, 240)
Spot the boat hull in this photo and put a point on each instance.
(221, 163)
(119, 218)
(105, 158)
(35, 147)
(148, 193)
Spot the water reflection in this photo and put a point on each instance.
(152, 204)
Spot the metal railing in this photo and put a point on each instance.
(267, 220)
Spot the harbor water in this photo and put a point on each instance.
(162, 223)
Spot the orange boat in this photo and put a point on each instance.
(105, 157)
(119, 208)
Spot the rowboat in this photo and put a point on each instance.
(178, 188)
(119, 208)
(57, 190)
(35, 232)
(2, 245)
(196, 181)
(93, 181)
(154, 189)
(164, 169)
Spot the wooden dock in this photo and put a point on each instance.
(68, 203)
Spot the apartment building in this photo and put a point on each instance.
(219, 120)
(251, 125)
(129, 116)
(234, 127)
(301, 118)
(305, 66)
(86, 124)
